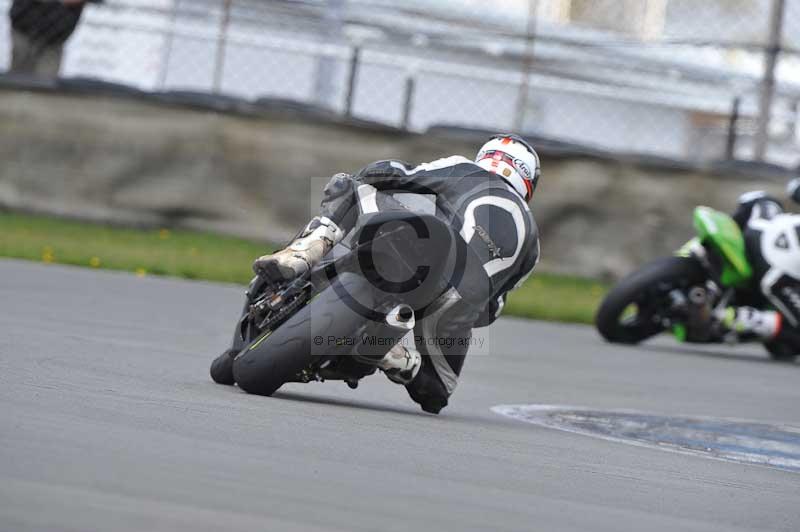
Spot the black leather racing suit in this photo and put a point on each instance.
(772, 243)
(495, 222)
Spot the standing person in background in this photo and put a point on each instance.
(39, 30)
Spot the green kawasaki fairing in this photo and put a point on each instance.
(721, 232)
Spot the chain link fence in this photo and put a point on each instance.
(687, 80)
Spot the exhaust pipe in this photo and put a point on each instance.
(401, 318)
(399, 321)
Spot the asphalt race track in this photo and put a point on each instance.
(109, 422)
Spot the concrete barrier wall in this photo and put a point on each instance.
(123, 160)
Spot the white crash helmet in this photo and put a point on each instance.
(513, 159)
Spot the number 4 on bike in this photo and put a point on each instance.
(738, 280)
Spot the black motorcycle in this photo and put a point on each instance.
(337, 320)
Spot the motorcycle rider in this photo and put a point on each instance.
(772, 243)
(485, 201)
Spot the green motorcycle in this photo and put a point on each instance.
(681, 293)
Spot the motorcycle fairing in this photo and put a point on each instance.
(720, 232)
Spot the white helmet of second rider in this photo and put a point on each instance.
(513, 159)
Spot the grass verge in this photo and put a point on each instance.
(198, 255)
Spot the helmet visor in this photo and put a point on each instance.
(517, 164)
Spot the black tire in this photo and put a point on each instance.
(640, 288)
(222, 368)
(266, 364)
(780, 351)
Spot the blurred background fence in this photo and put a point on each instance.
(680, 79)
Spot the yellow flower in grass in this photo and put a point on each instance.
(163, 234)
(94, 262)
(141, 272)
(47, 254)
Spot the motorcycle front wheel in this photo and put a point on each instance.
(630, 312)
(222, 368)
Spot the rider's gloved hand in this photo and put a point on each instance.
(748, 322)
(793, 189)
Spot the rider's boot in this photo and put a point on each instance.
(747, 322)
(427, 390)
(400, 365)
(305, 252)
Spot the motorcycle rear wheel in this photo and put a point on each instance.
(781, 351)
(642, 289)
(276, 358)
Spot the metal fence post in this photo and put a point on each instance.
(522, 98)
(730, 143)
(327, 67)
(351, 81)
(219, 61)
(168, 40)
(797, 122)
(411, 84)
(772, 51)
